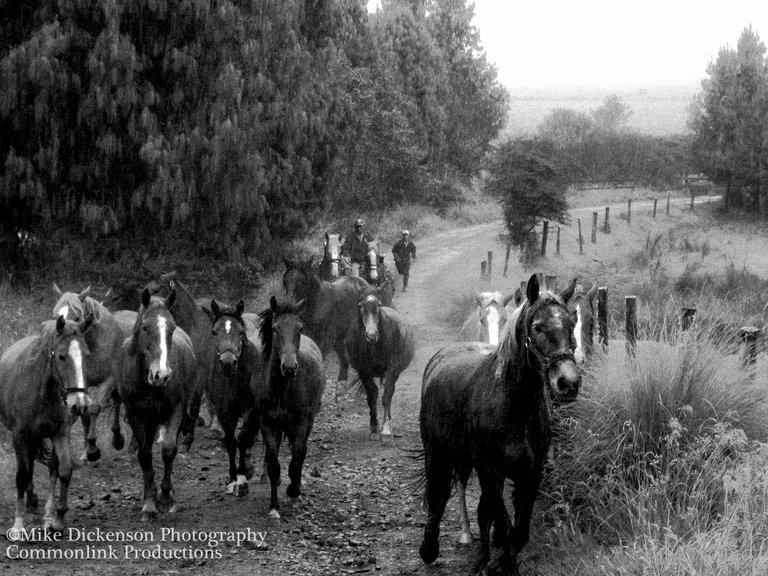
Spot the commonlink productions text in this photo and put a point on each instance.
(98, 544)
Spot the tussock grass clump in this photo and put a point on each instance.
(648, 450)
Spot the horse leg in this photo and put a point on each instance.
(144, 434)
(439, 474)
(372, 394)
(170, 448)
(491, 510)
(25, 462)
(272, 445)
(230, 443)
(92, 451)
(118, 440)
(60, 469)
(191, 420)
(341, 353)
(298, 454)
(386, 400)
(526, 489)
(461, 477)
(244, 443)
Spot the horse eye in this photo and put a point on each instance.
(62, 357)
(214, 332)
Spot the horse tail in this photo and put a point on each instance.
(418, 480)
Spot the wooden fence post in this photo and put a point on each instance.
(602, 316)
(544, 234)
(655, 200)
(629, 211)
(687, 319)
(594, 227)
(690, 189)
(506, 259)
(557, 243)
(749, 335)
(607, 224)
(489, 270)
(581, 238)
(667, 203)
(483, 270)
(523, 287)
(630, 323)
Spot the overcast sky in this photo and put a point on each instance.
(611, 43)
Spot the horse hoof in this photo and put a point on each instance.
(165, 502)
(429, 552)
(93, 455)
(118, 441)
(249, 471)
(148, 516)
(274, 517)
(264, 478)
(241, 489)
(293, 490)
(465, 538)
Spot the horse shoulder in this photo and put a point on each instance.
(183, 345)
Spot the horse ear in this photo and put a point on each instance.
(300, 305)
(592, 292)
(478, 298)
(341, 239)
(240, 308)
(289, 264)
(509, 297)
(145, 297)
(567, 294)
(518, 296)
(84, 293)
(56, 289)
(60, 323)
(273, 303)
(86, 324)
(327, 237)
(532, 289)
(171, 300)
(214, 308)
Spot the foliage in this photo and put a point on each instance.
(729, 119)
(612, 115)
(523, 176)
(222, 128)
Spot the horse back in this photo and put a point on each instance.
(447, 391)
(126, 320)
(15, 379)
(311, 364)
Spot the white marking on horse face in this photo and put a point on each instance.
(162, 327)
(335, 269)
(579, 352)
(227, 326)
(493, 325)
(64, 311)
(77, 359)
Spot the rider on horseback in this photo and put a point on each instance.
(356, 247)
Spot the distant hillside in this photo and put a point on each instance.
(657, 110)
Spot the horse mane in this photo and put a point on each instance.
(507, 355)
(93, 306)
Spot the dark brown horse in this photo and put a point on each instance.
(157, 386)
(237, 359)
(289, 394)
(488, 408)
(102, 365)
(329, 307)
(195, 318)
(380, 345)
(42, 388)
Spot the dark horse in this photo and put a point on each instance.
(102, 365)
(157, 385)
(329, 307)
(237, 359)
(488, 408)
(194, 318)
(380, 344)
(288, 396)
(42, 387)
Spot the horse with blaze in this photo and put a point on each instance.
(42, 389)
(380, 344)
(488, 407)
(157, 385)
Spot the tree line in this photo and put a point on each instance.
(228, 125)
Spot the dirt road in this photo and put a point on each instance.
(359, 512)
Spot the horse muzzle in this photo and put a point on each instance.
(228, 363)
(289, 370)
(158, 377)
(78, 401)
(371, 336)
(565, 381)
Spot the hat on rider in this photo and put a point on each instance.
(405, 233)
(359, 222)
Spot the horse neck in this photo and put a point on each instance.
(188, 312)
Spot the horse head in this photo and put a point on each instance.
(373, 261)
(70, 304)
(492, 315)
(153, 336)
(580, 304)
(332, 253)
(68, 350)
(548, 341)
(369, 307)
(281, 330)
(299, 278)
(229, 335)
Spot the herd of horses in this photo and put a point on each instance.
(485, 403)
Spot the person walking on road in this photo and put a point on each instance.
(404, 252)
